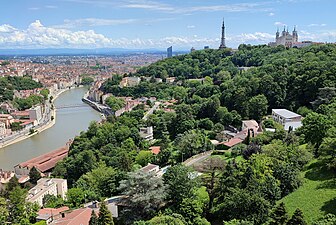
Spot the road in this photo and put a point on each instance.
(151, 111)
(197, 158)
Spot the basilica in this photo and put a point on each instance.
(286, 39)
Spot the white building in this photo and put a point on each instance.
(47, 186)
(287, 118)
(146, 133)
(286, 39)
(35, 113)
(3, 129)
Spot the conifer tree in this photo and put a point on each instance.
(105, 216)
(94, 219)
(297, 218)
(34, 175)
(279, 215)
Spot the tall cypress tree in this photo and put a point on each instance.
(279, 215)
(34, 175)
(297, 218)
(105, 216)
(93, 219)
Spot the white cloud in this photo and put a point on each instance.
(51, 7)
(271, 14)
(6, 28)
(317, 25)
(257, 37)
(36, 35)
(92, 22)
(191, 26)
(33, 8)
(280, 24)
(163, 7)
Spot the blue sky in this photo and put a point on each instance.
(159, 23)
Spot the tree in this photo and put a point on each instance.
(192, 142)
(105, 216)
(102, 181)
(4, 214)
(329, 219)
(145, 195)
(45, 93)
(93, 219)
(179, 184)
(297, 218)
(87, 80)
(192, 209)
(165, 219)
(144, 157)
(115, 103)
(258, 107)
(315, 127)
(279, 215)
(34, 175)
(17, 205)
(75, 197)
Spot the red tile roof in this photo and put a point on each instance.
(48, 212)
(155, 149)
(232, 142)
(76, 217)
(47, 161)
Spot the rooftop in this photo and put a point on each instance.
(285, 113)
(47, 161)
(76, 217)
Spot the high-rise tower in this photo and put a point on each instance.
(222, 44)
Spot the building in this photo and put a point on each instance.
(170, 52)
(286, 39)
(50, 214)
(43, 163)
(36, 113)
(222, 44)
(192, 49)
(5, 176)
(46, 186)
(155, 149)
(130, 82)
(146, 133)
(76, 217)
(287, 118)
(3, 129)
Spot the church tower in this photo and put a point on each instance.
(277, 35)
(295, 35)
(222, 45)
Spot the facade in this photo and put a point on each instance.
(146, 133)
(47, 186)
(3, 129)
(130, 81)
(222, 44)
(170, 52)
(42, 163)
(35, 113)
(286, 39)
(287, 118)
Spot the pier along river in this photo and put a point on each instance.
(69, 123)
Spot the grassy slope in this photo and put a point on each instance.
(317, 196)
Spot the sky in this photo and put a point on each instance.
(158, 24)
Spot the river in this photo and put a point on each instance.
(69, 123)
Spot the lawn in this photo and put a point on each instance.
(317, 196)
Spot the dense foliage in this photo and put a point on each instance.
(211, 93)
(9, 84)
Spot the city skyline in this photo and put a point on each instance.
(157, 24)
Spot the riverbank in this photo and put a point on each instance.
(44, 127)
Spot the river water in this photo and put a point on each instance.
(69, 123)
